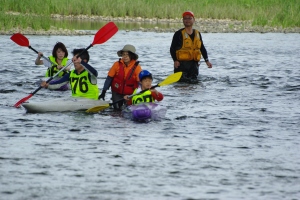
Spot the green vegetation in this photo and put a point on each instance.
(37, 13)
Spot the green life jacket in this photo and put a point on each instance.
(142, 98)
(82, 87)
(53, 69)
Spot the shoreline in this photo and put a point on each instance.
(203, 25)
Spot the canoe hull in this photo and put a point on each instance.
(64, 87)
(62, 105)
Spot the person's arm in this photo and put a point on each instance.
(157, 95)
(106, 86)
(69, 65)
(93, 73)
(63, 79)
(128, 100)
(38, 60)
(176, 44)
(204, 53)
(203, 49)
(52, 85)
(111, 74)
(107, 83)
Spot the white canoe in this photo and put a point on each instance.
(62, 105)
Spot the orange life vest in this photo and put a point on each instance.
(124, 85)
(190, 49)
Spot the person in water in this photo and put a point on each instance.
(186, 49)
(144, 93)
(83, 79)
(57, 60)
(123, 76)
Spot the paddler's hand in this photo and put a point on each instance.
(76, 59)
(102, 95)
(59, 67)
(155, 91)
(38, 60)
(126, 97)
(40, 55)
(176, 64)
(209, 65)
(44, 84)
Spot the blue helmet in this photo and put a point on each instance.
(143, 74)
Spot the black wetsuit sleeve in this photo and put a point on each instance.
(89, 68)
(63, 79)
(203, 49)
(176, 44)
(107, 83)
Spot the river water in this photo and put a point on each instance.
(235, 135)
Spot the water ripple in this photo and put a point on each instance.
(234, 135)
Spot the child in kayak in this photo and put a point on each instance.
(144, 93)
(83, 79)
(55, 62)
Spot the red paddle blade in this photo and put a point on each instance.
(18, 104)
(20, 39)
(105, 33)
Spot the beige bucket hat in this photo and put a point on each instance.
(128, 47)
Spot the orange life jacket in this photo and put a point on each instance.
(124, 85)
(190, 49)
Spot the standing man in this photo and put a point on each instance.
(186, 50)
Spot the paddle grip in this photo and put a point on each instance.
(33, 49)
(50, 79)
(30, 47)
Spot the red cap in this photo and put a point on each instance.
(188, 13)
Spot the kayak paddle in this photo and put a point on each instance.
(104, 34)
(23, 41)
(169, 80)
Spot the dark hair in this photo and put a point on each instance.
(132, 56)
(84, 55)
(59, 45)
(148, 76)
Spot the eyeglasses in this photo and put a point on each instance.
(187, 18)
(125, 54)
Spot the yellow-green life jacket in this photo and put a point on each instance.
(53, 69)
(142, 98)
(82, 87)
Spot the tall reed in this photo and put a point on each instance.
(260, 12)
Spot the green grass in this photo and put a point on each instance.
(36, 13)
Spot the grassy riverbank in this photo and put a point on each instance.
(38, 14)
